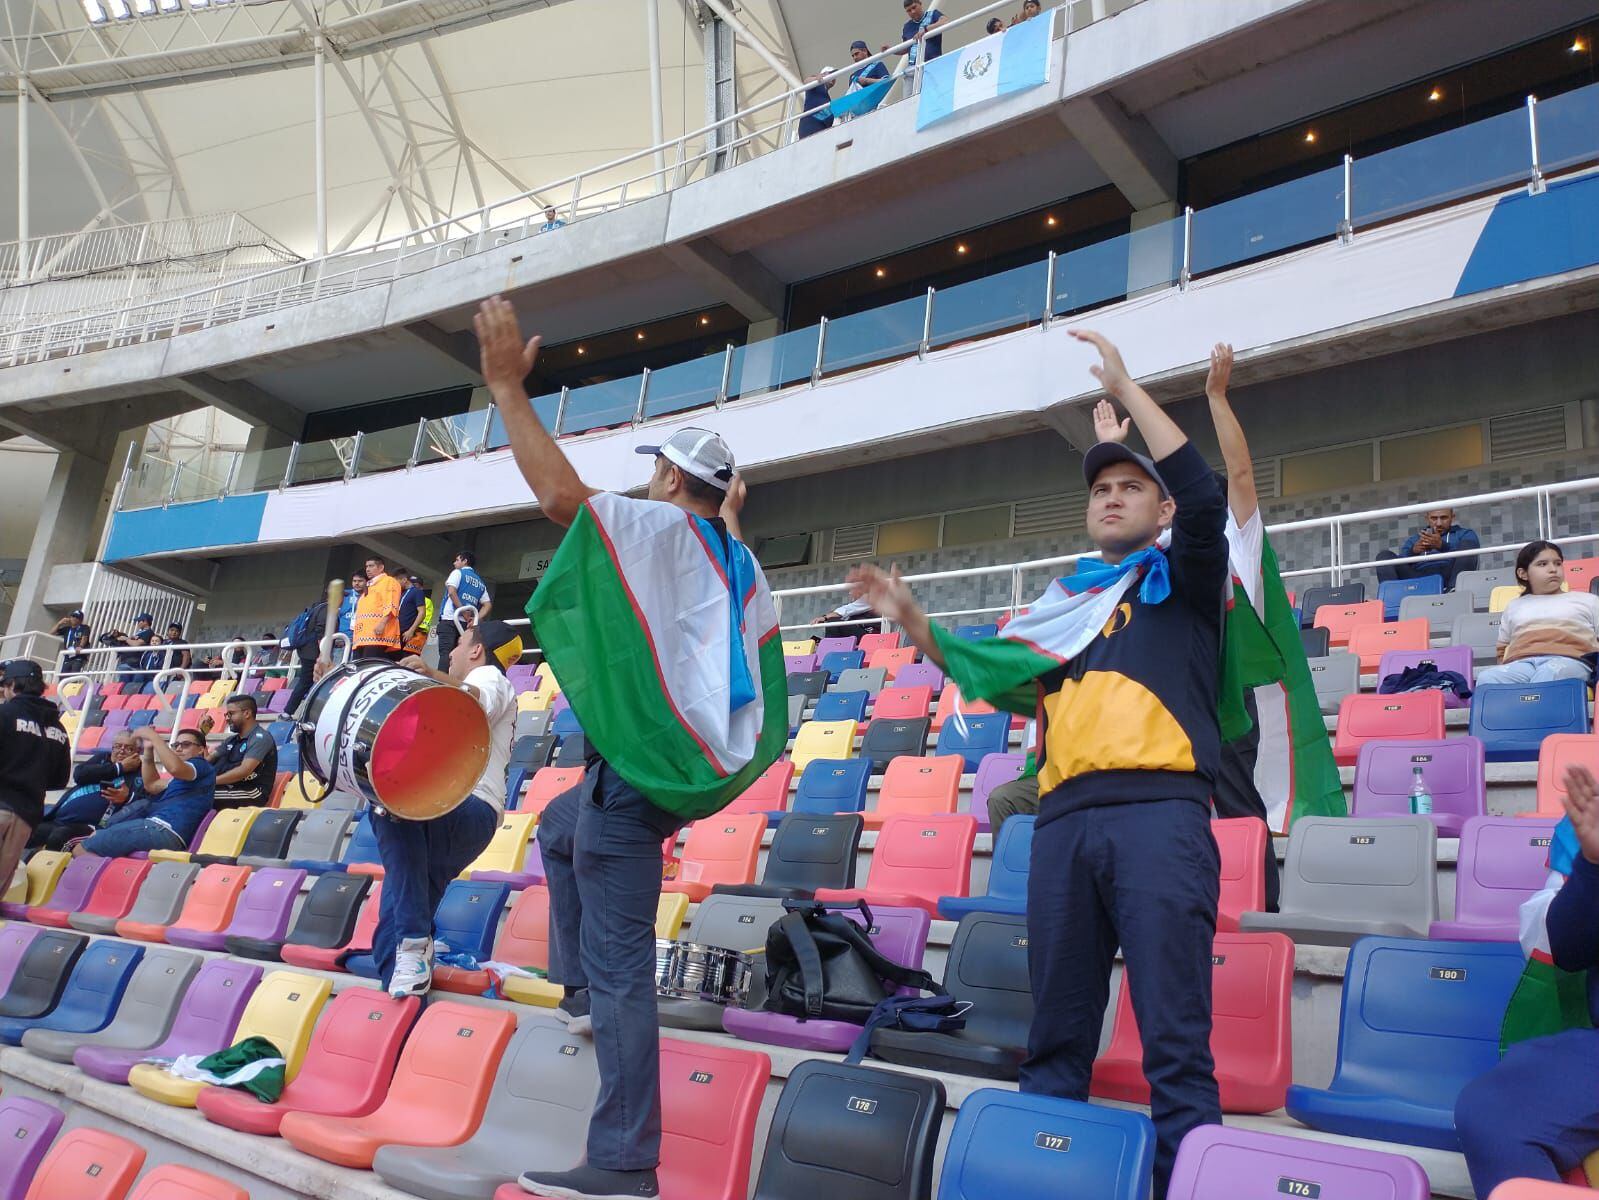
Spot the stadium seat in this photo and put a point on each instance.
(799, 664)
(545, 785)
(839, 661)
(503, 859)
(984, 734)
(91, 995)
(902, 703)
(283, 1010)
(796, 712)
(819, 1145)
(1010, 1145)
(891, 661)
(769, 792)
(203, 1023)
(1452, 768)
(346, 1070)
(223, 840)
(329, 958)
(27, 1127)
(301, 792)
(1370, 642)
(436, 1098)
(318, 836)
(899, 934)
(1339, 620)
(326, 919)
(1241, 843)
(469, 914)
(1580, 572)
(1440, 611)
(44, 871)
(1315, 643)
(523, 941)
(87, 1164)
(861, 679)
(835, 645)
(573, 751)
(889, 738)
(870, 643)
(986, 968)
(823, 739)
(538, 1112)
(1335, 676)
(563, 720)
(804, 645)
(1559, 752)
(261, 913)
(841, 706)
(818, 851)
(1512, 719)
(917, 860)
(71, 892)
(208, 910)
(1405, 716)
(1251, 1036)
(144, 1014)
(733, 923)
(1534, 1189)
(921, 674)
(41, 973)
(1216, 1162)
(89, 737)
(1502, 862)
(810, 684)
(1007, 874)
(1443, 658)
(360, 852)
(175, 1182)
(159, 902)
(1393, 592)
(950, 700)
(1314, 597)
(710, 1098)
(1349, 877)
(531, 724)
(1499, 599)
(1480, 585)
(976, 633)
(1419, 1020)
(721, 848)
(992, 771)
(269, 837)
(916, 786)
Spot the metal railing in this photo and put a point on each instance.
(239, 657)
(1519, 148)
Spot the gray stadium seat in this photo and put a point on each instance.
(144, 1018)
(1480, 631)
(1480, 584)
(532, 724)
(734, 922)
(318, 838)
(1346, 877)
(796, 710)
(42, 973)
(538, 1113)
(860, 679)
(161, 898)
(1335, 675)
(346, 801)
(1440, 611)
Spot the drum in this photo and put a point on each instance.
(408, 745)
(690, 971)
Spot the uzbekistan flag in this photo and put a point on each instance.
(668, 650)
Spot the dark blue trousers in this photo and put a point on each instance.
(1146, 877)
(601, 844)
(1536, 1114)
(419, 860)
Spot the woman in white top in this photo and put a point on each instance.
(1545, 632)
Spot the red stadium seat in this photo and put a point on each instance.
(710, 1098)
(1558, 752)
(87, 1164)
(117, 888)
(949, 698)
(722, 848)
(1404, 716)
(1251, 1033)
(360, 938)
(769, 792)
(1580, 572)
(916, 860)
(903, 704)
(880, 641)
(1371, 642)
(207, 909)
(548, 783)
(280, 783)
(1339, 619)
(891, 660)
(1242, 843)
(110, 701)
(917, 786)
(173, 1182)
(89, 738)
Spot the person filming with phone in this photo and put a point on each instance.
(1440, 535)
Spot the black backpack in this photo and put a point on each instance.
(820, 965)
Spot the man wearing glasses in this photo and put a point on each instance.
(173, 805)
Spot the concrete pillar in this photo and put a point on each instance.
(66, 534)
(1155, 248)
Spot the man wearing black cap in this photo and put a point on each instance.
(863, 77)
(35, 757)
(74, 635)
(1129, 755)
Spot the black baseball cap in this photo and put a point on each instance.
(857, 44)
(502, 644)
(1103, 454)
(144, 617)
(77, 612)
(22, 670)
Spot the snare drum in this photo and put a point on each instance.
(690, 971)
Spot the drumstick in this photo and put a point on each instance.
(331, 625)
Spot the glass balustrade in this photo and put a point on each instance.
(876, 335)
(601, 405)
(1447, 166)
(1280, 218)
(320, 462)
(261, 470)
(774, 363)
(692, 384)
(1123, 266)
(1568, 128)
(386, 449)
(1008, 300)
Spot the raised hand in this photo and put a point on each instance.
(883, 590)
(1221, 371)
(1111, 371)
(1582, 806)
(737, 492)
(1106, 427)
(507, 361)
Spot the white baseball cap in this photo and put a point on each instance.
(700, 452)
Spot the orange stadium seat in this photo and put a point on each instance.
(1339, 619)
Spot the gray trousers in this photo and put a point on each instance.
(1018, 798)
(601, 844)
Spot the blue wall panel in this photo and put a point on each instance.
(1530, 236)
(229, 521)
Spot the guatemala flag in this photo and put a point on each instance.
(997, 65)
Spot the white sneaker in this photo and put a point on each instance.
(413, 968)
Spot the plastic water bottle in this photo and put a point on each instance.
(1420, 797)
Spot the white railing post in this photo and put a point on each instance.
(821, 348)
(354, 469)
(927, 327)
(1184, 275)
(560, 410)
(416, 446)
(727, 376)
(488, 424)
(172, 488)
(1536, 184)
(643, 397)
(1346, 227)
(289, 467)
(1049, 291)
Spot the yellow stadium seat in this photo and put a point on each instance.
(670, 914)
(823, 739)
(802, 647)
(44, 871)
(69, 721)
(1499, 599)
(283, 1010)
(208, 701)
(224, 837)
(71, 689)
(299, 791)
(507, 849)
(532, 702)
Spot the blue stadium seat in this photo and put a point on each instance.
(830, 785)
(1007, 874)
(565, 722)
(986, 733)
(361, 848)
(141, 718)
(281, 732)
(469, 916)
(1045, 1148)
(1512, 719)
(1392, 593)
(836, 663)
(288, 754)
(841, 706)
(91, 996)
(1419, 1020)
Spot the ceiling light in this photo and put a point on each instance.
(1578, 45)
(705, 320)
(1436, 94)
(880, 272)
(960, 248)
(1310, 136)
(639, 335)
(580, 350)
(1051, 222)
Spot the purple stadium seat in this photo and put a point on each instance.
(261, 911)
(279, 702)
(839, 645)
(994, 770)
(117, 719)
(900, 933)
(250, 686)
(71, 891)
(558, 705)
(1446, 658)
(1453, 769)
(1218, 1163)
(15, 938)
(922, 674)
(799, 664)
(1503, 861)
(27, 1127)
(204, 1023)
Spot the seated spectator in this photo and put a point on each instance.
(863, 77)
(1536, 1114)
(1440, 536)
(818, 113)
(552, 221)
(179, 660)
(852, 611)
(173, 805)
(97, 783)
(74, 635)
(246, 762)
(1545, 633)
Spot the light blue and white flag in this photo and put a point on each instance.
(859, 103)
(998, 65)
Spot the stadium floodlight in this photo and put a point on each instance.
(100, 12)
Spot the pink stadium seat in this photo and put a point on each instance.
(1580, 572)
(1241, 842)
(1408, 716)
(173, 1182)
(769, 792)
(548, 783)
(87, 1164)
(1559, 752)
(949, 698)
(871, 642)
(207, 910)
(1340, 619)
(89, 738)
(1371, 642)
(722, 848)
(903, 703)
(916, 860)
(917, 786)
(1251, 1033)
(893, 661)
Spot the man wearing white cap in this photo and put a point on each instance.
(658, 623)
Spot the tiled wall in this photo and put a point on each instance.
(1511, 522)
